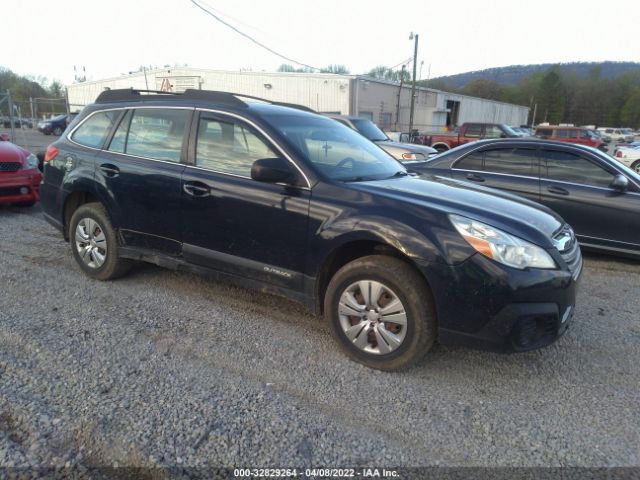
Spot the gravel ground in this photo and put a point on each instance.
(167, 369)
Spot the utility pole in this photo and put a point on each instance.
(413, 85)
(399, 95)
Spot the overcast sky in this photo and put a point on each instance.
(111, 37)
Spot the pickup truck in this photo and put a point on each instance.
(469, 132)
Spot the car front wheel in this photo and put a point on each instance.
(94, 243)
(636, 166)
(381, 312)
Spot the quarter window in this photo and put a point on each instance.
(228, 147)
(569, 167)
(93, 132)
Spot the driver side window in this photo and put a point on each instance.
(229, 147)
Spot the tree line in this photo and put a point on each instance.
(565, 97)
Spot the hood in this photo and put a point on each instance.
(515, 215)
(10, 152)
(406, 147)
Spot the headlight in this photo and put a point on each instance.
(32, 162)
(501, 246)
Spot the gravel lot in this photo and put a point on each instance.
(171, 369)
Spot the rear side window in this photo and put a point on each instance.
(93, 131)
(152, 133)
(513, 161)
(473, 130)
(569, 167)
(229, 147)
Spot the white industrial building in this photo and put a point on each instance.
(383, 102)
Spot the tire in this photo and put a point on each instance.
(91, 232)
(57, 131)
(394, 280)
(441, 148)
(636, 166)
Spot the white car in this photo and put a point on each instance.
(617, 134)
(630, 156)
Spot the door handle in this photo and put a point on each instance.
(558, 190)
(474, 177)
(110, 170)
(196, 189)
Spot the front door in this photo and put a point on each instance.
(578, 188)
(233, 223)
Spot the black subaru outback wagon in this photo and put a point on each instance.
(278, 198)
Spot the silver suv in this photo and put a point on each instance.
(404, 152)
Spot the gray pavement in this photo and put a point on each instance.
(170, 369)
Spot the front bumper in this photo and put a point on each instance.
(21, 186)
(483, 304)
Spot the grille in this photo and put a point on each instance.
(10, 191)
(571, 251)
(10, 166)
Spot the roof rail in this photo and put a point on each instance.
(232, 99)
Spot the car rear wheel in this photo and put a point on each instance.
(94, 243)
(381, 312)
(57, 131)
(636, 166)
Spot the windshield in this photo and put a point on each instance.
(336, 151)
(370, 130)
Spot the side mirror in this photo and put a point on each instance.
(503, 135)
(272, 170)
(619, 183)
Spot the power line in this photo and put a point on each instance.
(251, 38)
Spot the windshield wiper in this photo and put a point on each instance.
(399, 173)
(356, 179)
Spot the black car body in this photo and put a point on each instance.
(598, 196)
(54, 126)
(303, 220)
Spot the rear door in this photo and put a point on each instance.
(512, 169)
(141, 170)
(577, 187)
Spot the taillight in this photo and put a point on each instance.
(52, 152)
(619, 154)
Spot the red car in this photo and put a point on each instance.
(581, 136)
(19, 174)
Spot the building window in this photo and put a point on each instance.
(385, 121)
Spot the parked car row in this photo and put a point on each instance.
(17, 122)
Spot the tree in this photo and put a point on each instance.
(630, 113)
(385, 73)
(337, 69)
(56, 89)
